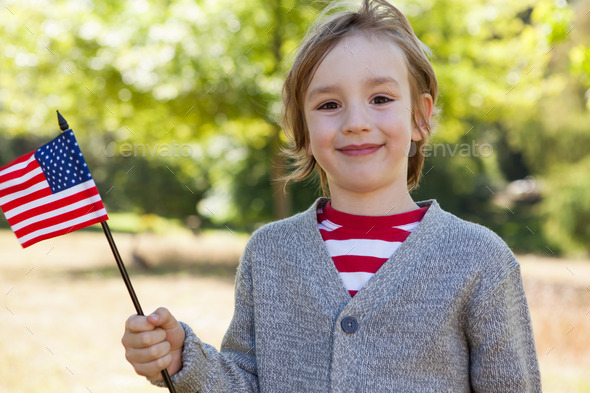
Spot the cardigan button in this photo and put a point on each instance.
(349, 324)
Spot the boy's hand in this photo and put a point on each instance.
(153, 343)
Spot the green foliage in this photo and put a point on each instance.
(566, 207)
(580, 61)
(175, 103)
(135, 223)
(490, 60)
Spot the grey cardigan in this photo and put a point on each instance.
(446, 313)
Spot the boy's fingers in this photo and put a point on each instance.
(153, 369)
(143, 339)
(137, 324)
(162, 318)
(148, 354)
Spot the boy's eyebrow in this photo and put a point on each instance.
(371, 81)
(321, 90)
(379, 80)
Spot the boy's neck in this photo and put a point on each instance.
(378, 203)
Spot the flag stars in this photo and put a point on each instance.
(63, 163)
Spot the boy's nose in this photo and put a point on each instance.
(356, 119)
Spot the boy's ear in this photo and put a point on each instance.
(422, 117)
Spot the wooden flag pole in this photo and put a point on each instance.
(63, 125)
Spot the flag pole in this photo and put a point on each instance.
(63, 125)
(127, 280)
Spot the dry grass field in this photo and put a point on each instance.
(63, 306)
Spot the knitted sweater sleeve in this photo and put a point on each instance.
(502, 349)
(204, 369)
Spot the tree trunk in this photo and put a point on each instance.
(280, 194)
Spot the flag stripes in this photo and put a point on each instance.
(39, 206)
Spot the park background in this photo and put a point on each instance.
(175, 104)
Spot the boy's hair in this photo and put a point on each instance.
(376, 18)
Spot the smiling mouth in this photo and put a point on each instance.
(359, 150)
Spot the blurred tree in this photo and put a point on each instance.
(553, 136)
(506, 81)
(151, 75)
(490, 59)
(566, 208)
(176, 103)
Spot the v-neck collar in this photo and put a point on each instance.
(362, 225)
(326, 276)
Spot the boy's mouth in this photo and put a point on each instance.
(359, 150)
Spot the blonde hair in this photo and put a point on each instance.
(375, 18)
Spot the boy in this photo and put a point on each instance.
(367, 291)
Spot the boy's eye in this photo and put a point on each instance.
(329, 105)
(381, 99)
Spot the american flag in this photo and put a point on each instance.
(50, 192)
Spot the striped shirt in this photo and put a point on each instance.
(360, 245)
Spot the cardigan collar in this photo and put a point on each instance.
(325, 274)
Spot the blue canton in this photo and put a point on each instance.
(62, 162)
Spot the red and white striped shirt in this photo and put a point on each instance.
(360, 245)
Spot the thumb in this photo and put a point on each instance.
(162, 318)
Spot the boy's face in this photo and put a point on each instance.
(358, 113)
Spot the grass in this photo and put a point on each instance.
(139, 223)
(64, 306)
(558, 293)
